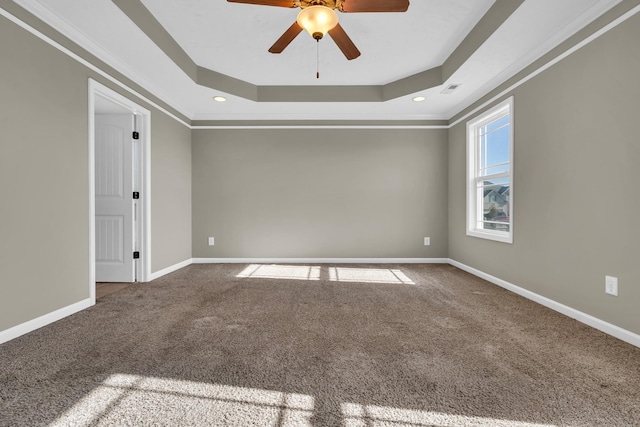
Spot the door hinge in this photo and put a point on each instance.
(136, 135)
(136, 255)
(136, 195)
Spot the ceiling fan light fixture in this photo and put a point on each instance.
(317, 20)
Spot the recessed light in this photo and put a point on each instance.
(219, 98)
(419, 99)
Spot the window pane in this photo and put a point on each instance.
(496, 204)
(490, 172)
(495, 169)
(498, 123)
(494, 146)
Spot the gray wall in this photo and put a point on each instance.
(331, 193)
(44, 220)
(170, 192)
(576, 197)
(44, 212)
(319, 193)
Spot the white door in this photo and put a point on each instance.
(114, 197)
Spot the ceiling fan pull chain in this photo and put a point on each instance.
(317, 58)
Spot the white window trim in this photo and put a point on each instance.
(474, 201)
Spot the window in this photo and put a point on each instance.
(490, 174)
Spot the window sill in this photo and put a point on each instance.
(488, 235)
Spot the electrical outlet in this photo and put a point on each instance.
(427, 241)
(211, 241)
(611, 285)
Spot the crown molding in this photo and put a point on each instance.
(606, 22)
(570, 29)
(572, 41)
(142, 17)
(27, 27)
(67, 29)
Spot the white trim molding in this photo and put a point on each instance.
(537, 71)
(44, 320)
(90, 66)
(478, 173)
(170, 269)
(599, 324)
(470, 101)
(320, 260)
(450, 115)
(158, 274)
(608, 328)
(144, 231)
(278, 127)
(40, 10)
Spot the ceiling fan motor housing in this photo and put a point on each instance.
(319, 17)
(331, 4)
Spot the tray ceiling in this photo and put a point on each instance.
(212, 47)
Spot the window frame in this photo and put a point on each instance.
(475, 206)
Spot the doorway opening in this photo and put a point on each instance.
(119, 189)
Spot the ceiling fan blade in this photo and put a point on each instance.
(279, 3)
(286, 38)
(344, 42)
(373, 5)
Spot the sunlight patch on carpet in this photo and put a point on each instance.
(392, 276)
(124, 399)
(357, 415)
(295, 272)
(135, 400)
(369, 275)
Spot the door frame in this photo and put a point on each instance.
(143, 227)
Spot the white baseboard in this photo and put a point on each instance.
(613, 330)
(170, 269)
(320, 260)
(44, 320)
(608, 328)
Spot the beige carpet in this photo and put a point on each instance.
(320, 345)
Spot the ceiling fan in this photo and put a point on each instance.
(318, 17)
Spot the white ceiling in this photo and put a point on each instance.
(233, 39)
